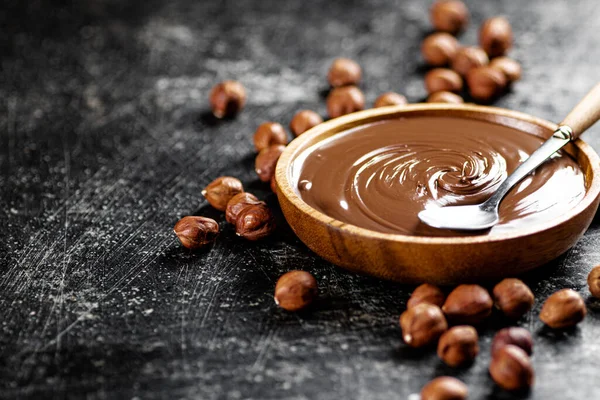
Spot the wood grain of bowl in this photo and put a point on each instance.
(438, 260)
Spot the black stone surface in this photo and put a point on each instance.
(105, 142)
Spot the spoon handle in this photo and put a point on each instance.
(585, 113)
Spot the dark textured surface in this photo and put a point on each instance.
(105, 142)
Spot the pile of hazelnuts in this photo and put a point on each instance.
(486, 69)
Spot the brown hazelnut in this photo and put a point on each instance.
(563, 309)
(468, 58)
(390, 99)
(514, 335)
(344, 71)
(196, 232)
(495, 36)
(227, 98)
(422, 325)
(445, 97)
(269, 134)
(304, 120)
(273, 184)
(513, 297)
(485, 83)
(468, 304)
(295, 290)
(438, 49)
(238, 203)
(254, 222)
(426, 293)
(593, 281)
(221, 190)
(509, 67)
(449, 16)
(345, 100)
(458, 346)
(266, 161)
(511, 368)
(444, 388)
(443, 79)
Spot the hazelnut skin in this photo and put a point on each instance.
(563, 309)
(450, 16)
(445, 97)
(458, 346)
(295, 290)
(514, 335)
(422, 325)
(254, 222)
(444, 388)
(485, 83)
(344, 71)
(468, 304)
(196, 232)
(510, 68)
(443, 79)
(513, 297)
(227, 98)
(468, 58)
(496, 36)
(266, 161)
(438, 49)
(345, 100)
(304, 120)
(390, 99)
(426, 293)
(238, 203)
(221, 190)
(511, 368)
(269, 134)
(593, 281)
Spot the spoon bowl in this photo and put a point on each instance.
(473, 217)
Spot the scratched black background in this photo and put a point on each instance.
(105, 142)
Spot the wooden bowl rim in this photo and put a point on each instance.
(282, 174)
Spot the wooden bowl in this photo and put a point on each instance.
(438, 260)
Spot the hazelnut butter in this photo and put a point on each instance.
(380, 175)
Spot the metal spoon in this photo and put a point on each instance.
(485, 215)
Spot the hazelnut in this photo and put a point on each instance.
(449, 16)
(563, 309)
(273, 184)
(345, 100)
(458, 346)
(514, 335)
(227, 98)
(445, 97)
(196, 232)
(495, 36)
(266, 161)
(426, 293)
(295, 290)
(238, 203)
(511, 368)
(221, 190)
(269, 134)
(344, 72)
(593, 281)
(509, 67)
(513, 297)
(304, 120)
(468, 304)
(438, 49)
(443, 79)
(422, 325)
(444, 388)
(254, 222)
(390, 99)
(468, 58)
(485, 83)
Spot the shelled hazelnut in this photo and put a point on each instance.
(468, 304)
(510, 68)
(445, 97)
(458, 346)
(266, 161)
(485, 83)
(238, 203)
(426, 293)
(511, 368)
(495, 36)
(221, 190)
(344, 71)
(563, 309)
(513, 297)
(345, 100)
(593, 281)
(227, 98)
(269, 134)
(304, 120)
(514, 335)
(196, 232)
(295, 290)
(467, 58)
(443, 79)
(439, 48)
(444, 388)
(450, 16)
(390, 99)
(254, 222)
(422, 325)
